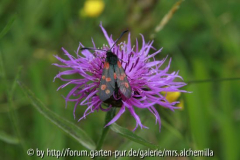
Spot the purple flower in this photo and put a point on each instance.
(147, 79)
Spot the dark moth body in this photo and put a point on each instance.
(113, 79)
(114, 85)
(112, 58)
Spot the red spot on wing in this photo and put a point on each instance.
(106, 65)
(121, 78)
(108, 79)
(107, 91)
(119, 64)
(103, 87)
(126, 84)
(115, 76)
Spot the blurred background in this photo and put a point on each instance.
(202, 38)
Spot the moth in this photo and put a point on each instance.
(113, 77)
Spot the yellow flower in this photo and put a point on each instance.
(92, 8)
(181, 104)
(174, 96)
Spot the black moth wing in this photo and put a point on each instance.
(122, 81)
(107, 83)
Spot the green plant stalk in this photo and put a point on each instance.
(213, 80)
(10, 92)
(13, 114)
(110, 114)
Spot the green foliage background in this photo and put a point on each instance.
(202, 38)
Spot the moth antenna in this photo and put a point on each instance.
(92, 49)
(122, 60)
(112, 45)
(118, 39)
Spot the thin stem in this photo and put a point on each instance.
(12, 112)
(212, 80)
(110, 114)
(166, 18)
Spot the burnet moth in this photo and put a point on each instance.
(113, 77)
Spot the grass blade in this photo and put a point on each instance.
(8, 139)
(166, 18)
(71, 129)
(131, 136)
(8, 26)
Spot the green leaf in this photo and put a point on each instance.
(130, 135)
(8, 26)
(68, 127)
(110, 114)
(171, 129)
(8, 139)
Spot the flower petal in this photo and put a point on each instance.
(121, 111)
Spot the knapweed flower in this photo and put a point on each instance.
(146, 76)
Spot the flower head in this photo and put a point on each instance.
(148, 79)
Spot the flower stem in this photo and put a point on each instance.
(110, 114)
(213, 80)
